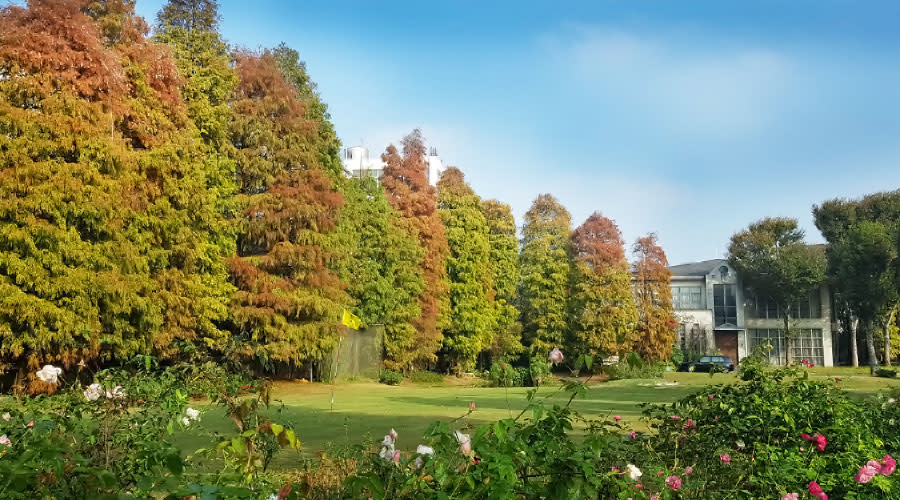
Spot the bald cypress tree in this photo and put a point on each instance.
(503, 269)
(655, 333)
(545, 265)
(407, 190)
(289, 301)
(604, 315)
(472, 321)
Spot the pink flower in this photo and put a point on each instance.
(725, 458)
(688, 470)
(632, 435)
(654, 497)
(816, 491)
(866, 473)
(689, 424)
(4, 440)
(673, 482)
(889, 465)
(806, 436)
(30, 424)
(556, 356)
(617, 418)
(821, 441)
(472, 406)
(711, 396)
(639, 486)
(790, 496)
(393, 435)
(676, 417)
(397, 457)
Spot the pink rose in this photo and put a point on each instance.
(556, 356)
(397, 457)
(791, 496)
(816, 491)
(632, 435)
(866, 473)
(889, 465)
(676, 417)
(673, 482)
(725, 458)
(472, 406)
(688, 470)
(617, 418)
(821, 441)
(393, 435)
(711, 396)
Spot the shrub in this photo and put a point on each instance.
(886, 373)
(426, 377)
(632, 366)
(390, 377)
(539, 372)
(503, 374)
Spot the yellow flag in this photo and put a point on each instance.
(351, 320)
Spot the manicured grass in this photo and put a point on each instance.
(369, 410)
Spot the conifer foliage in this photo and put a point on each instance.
(406, 186)
(288, 303)
(655, 334)
(503, 272)
(546, 271)
(603, 311)
(472, 321)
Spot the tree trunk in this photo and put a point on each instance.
(853, 323)
(788, 340)
(870, 346)
(888, 321)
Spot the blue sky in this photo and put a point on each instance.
(690, 119)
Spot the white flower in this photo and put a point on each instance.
(419, 462)
(633, 472)
(5, 440)
(424, 450)
(49, 373)
(185, 421)
(465, 443)
(556, 356)
(192, 413)
(273, 496)
(117, 392)
(387, 453)
(6, 417)
(388, 441)
(393, 435)
(93, 392)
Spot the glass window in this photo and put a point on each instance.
(810, 307)
(686, 297)
(724, 304)
(807, 344)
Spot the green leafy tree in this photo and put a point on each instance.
(774, 262)
(503, 268)
(655, 334)
(604, 315)
(863, 263)
(472, 321)
(384, 280)
(407, 190)
(289, 301)
(545, 266)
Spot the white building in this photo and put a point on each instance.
(716, 313)
(358, 163)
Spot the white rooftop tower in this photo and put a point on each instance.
(358, 163)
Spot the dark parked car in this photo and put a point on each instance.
(706, 364)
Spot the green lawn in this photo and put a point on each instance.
(367, 409)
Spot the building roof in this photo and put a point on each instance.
(701, 268)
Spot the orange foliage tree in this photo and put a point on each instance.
(288, 303)
(406, 187)
(653, 295)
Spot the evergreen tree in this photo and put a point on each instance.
(385, 279)
(503, 271)
(472, 321)
(288, 303)
(603, 310)
(655, 334)
(545, 271)
(407, 190)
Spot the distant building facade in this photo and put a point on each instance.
(358, 163)
(716, 313)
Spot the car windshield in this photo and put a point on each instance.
(706, 359)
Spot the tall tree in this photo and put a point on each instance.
(863, 237)
(406, 186)
(289, 302)
(604, 315)
(385, 278)
(774, 262)
(655, 333)
(503, 270)
(545, 270)
(472, 321)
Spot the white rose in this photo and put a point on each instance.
(49, 374)
(633, 472)
(4, 440)
(185, 421)
(192, 414)
(6, 417)
(93, 392)
(116, 393)
(424, 450)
